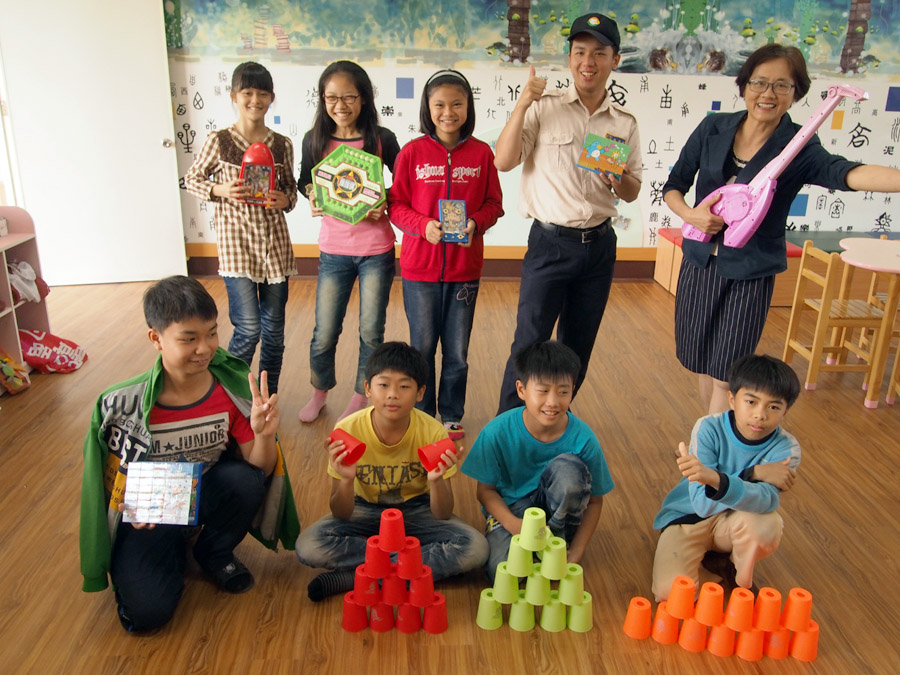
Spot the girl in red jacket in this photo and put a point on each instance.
(441, 278)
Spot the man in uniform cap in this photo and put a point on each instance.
(568, 269)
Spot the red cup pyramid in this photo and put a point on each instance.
(404, 590)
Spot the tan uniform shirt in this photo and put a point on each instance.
(556, 190)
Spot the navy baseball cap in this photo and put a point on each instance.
(601, 27)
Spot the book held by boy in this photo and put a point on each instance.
(162, 492)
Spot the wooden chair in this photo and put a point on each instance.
(840, 315)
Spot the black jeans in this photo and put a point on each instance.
(562, 279)
(147, 567)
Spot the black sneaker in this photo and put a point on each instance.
(232, 578)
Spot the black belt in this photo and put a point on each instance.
(583, 235)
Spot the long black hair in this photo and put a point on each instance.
(323, 126)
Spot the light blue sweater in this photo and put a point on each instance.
(715, 443)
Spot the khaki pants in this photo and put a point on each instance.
(749, 537)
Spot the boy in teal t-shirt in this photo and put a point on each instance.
(540, 455)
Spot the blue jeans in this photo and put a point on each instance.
(564, 280)
(563, 493)
(257, 310)
(442, 310)
(336, 276)
(449, 547)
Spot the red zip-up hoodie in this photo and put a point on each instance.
(426, 172)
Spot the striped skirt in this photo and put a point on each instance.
(718, 320)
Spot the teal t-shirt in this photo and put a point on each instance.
(508, 457)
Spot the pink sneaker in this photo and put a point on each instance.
(455, 430)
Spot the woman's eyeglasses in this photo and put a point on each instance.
(348, 99)
(760, 86)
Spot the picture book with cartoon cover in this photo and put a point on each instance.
(604, 155)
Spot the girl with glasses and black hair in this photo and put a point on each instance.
(346, 114)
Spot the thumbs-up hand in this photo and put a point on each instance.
(534, 88)
(693, 469)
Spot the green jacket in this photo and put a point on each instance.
(119, 435)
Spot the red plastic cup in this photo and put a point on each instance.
(409, 618)
(665, 626)
(767, 610)
(354, 447)
(409, 560)
(805, 643)
(692, 636)
(354, 618)
(637, 620)
(739, 613)
(720, 641)
(393, 590)
(797, 610)
(430, 455)
(391, 534)
(435, 619)
(381, 618)
(378, 561)
(710, 604)
(681, 598)
(421, 589)
(365, 588)
(777, 644)
(749, 645)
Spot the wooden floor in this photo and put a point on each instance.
(841, 539)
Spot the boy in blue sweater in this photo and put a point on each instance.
(540, 455)
(739, 463)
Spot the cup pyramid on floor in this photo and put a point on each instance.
(568, 605)
(406, 586)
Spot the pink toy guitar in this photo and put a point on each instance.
(743, 206)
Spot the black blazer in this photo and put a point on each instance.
(704, 156)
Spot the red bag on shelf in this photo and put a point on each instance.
(47, 353)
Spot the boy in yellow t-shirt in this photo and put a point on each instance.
(389, 475)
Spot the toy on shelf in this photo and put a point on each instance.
(745, 628)
(744, 205)
(372, 604)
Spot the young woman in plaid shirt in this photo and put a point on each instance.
(255, 253)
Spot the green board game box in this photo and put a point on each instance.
(348, 183)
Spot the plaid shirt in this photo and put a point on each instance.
(253, 240)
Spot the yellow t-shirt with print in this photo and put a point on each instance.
(391, 474)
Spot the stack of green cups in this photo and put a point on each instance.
(569, 599)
